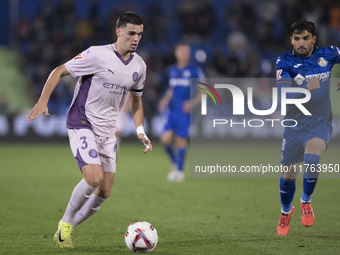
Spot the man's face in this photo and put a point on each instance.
(182, 52)
(129, 36)
(303, 43)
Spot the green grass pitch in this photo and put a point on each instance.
(199, 216)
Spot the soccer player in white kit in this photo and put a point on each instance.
(106, 75)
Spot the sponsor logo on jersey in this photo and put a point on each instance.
(299, 79)
(322, 62)
(184, 82)
(113, 72)
(278, 74)
(79, 56)
(297, 65)
(113, 86)
(323, 76)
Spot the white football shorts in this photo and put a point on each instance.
(89, 148)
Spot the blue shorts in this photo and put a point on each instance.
(294, 142)
(179, 123)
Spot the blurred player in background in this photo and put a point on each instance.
(106, 75)
(309, 67)
(177, 97)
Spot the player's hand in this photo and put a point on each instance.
(338, 86)
(313, 84)
(37, 110)
(186, 106)
(145, 140)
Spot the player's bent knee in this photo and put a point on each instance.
(93, 175)
(289, 179)
(94, 181)
(181, 142)
(104, 193)
(290, 172)
(165, 140)
(166, 137)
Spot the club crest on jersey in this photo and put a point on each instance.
(186, 73)
(79, 56)
(135, 76)
(322, 62)
(93, 153)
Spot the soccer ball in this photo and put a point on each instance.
(141, 236)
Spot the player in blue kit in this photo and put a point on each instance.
(308, 67)
(177, 97)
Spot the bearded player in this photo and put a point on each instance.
(306, 66)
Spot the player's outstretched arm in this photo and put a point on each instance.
(165, 100)
(136, 108)
(51, 83)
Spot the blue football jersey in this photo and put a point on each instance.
(295, 71)
(179, 81)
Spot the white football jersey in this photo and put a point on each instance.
(104, 81)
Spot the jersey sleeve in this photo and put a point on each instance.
(336, 52)
(283, 78)
(83, 64)
(282, 74)
(137, 88)
(200, 75)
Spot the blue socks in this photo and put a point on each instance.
(310, 176)
(287, 190)
(170, 152)
(176, 159)
(181, 157)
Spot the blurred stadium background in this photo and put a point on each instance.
(228, 38)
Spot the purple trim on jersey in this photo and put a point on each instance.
(76, 117)
(125, 62)
(80, 161)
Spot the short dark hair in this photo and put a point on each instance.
(302, 25)
(128, 17)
